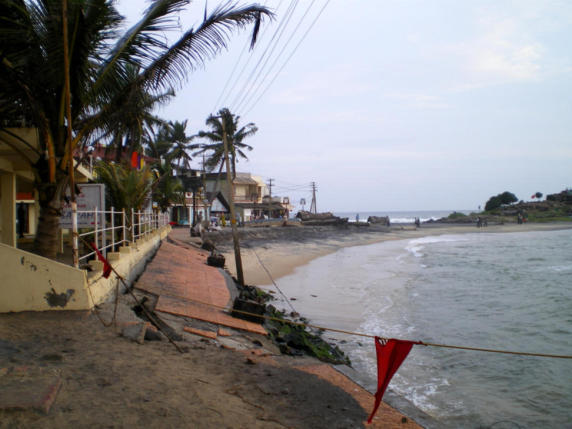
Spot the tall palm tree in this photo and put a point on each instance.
(235, 137)
(32, 75)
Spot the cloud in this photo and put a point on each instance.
(505, 52)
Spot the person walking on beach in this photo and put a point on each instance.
(357, 218)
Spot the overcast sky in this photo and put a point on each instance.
(398, 105)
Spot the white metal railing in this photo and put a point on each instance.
(111, 229)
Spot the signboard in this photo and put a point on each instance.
(90, 198)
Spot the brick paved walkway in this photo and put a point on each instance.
(187, 286)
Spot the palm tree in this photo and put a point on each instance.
(32, 76)
(129, 189)
(133, 124)
(235, 137)
(172, 144)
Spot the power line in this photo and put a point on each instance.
(288, 59)
(280, 31)
(251, 95)
(243, 68)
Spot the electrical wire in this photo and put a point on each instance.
(248, 94)
(244, 49)
(287, 60)
(248, 97)
(281, 27)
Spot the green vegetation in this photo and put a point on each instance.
(115, 76)
(556, 208)
(229, 122)
(294, 339)
(457, 215)
(499, 200)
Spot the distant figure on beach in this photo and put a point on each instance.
(357, 218)
(479, 222)
(417, 222)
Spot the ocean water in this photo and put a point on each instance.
(510, 291)
(401, 216)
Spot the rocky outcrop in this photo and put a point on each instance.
(562, 197)
(326, 218)
(379, 220)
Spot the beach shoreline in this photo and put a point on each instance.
(268, 254)
(281, 257)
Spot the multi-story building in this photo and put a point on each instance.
(251, 196)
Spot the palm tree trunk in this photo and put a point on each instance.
(211, 199)
(46, 242)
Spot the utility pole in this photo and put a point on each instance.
(237, 258)
(270, 198)
(313, 208)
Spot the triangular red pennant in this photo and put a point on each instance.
(106, 265)
(390, 354)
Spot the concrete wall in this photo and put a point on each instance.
(129, 263)
(32, 283)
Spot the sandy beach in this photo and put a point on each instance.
(281, 252)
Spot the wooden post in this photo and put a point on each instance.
(237, 258)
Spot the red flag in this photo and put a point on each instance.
(106, 264)
(390, 354)
(135, 160)
(533, 196)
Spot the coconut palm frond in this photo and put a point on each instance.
(197, 46)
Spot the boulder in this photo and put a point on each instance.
(383, 220)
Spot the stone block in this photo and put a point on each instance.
(113, 256)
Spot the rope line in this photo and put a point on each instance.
(308, 325)
(271, 278)
(361, 334)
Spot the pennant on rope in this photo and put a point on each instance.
(106, 264)
(390, 354)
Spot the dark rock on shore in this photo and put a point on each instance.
(326, 218)
(382, 220)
